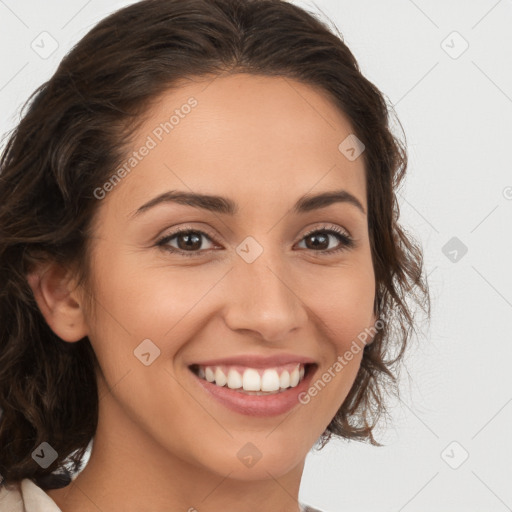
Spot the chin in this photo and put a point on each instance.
(262, 456)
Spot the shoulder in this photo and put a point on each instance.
(25, 496)
(10, 497)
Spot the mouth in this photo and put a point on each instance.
(253, 381)
(255, 390)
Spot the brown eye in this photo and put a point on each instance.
(318, 240)
(189, 242)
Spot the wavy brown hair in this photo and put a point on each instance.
(77, 130)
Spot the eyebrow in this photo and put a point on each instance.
(226, 206)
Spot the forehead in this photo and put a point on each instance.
(250, 137)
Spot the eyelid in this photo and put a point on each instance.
(338, 230)
(213, 236)
(185, 229)
(326, 227)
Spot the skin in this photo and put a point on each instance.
(162, 443)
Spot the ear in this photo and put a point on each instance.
(59, 302)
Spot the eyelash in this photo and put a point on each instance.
(347, 241)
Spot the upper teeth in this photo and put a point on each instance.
(251, 379)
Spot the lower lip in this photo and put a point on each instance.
(257, 405)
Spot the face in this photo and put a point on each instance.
(257, 291)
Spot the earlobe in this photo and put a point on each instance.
(58, 302)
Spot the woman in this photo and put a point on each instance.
(201, 263)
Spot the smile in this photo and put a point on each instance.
(253, 380)
(259, 390)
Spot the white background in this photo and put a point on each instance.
(457, 116)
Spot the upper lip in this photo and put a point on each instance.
(257, 361)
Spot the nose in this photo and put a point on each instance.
(262, 300)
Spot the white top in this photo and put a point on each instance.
(26, 496)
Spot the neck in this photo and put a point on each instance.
(129, 471)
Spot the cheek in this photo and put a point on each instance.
(342, 299)
(351, 318)
(136, 302)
